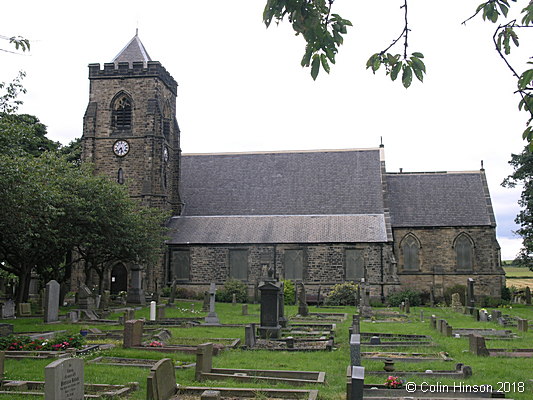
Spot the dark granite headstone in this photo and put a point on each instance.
(355, 350)
(270, 327)
(357, 383)
(63, 380)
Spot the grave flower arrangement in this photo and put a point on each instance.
(25, 343)
(394, 382)
(155, 343)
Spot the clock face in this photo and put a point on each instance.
(121, 148)
(165, 154)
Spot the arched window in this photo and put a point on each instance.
(411, 253)
(122, 113)
(120, 176)
(464, 252)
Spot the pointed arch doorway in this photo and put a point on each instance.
(119, 279)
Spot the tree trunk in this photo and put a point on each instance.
(23, 287)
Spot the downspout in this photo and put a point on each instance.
(382, 277)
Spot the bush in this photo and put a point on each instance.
(396, 298)
(461, 289)
(25, 343)
(289, 292)
(342, 294)
(506, 293)
(231, 286)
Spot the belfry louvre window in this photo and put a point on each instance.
(463, 252)
(410, 250)
(238, 264)
(293, 261)
(355, 264)
(122, 112)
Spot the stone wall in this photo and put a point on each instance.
(438, 266)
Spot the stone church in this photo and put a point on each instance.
(322, 217)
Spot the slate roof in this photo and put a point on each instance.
(324, 182)
(278, 229)
(133, 51)
(439, 199)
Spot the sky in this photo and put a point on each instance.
(241, 86)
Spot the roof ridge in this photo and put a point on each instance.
(282, 152)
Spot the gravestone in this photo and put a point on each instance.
(421, 315)
(172, 297)
(105, 300)
(245, 309)
(205, 304)
(86, 299)
(457, 306)
(528, 296)
(407, 306)
(153, 306)
(24, 310)
(51, 302)
(355, 350)
(289, 341)
(357, 383)
(161, 383)
(63, 380)
(470, 297)
(160, 312)
(233, 299)
(283, 321)
(522, 324)
(303, 309)
(270, 327)
(204, 360)
(477, 345)
(2, 362)
(356, 323)
(375, 340)
(365, 309)
(6, 329)
(212, 317)
(135, 292)
(483, 316)
(129, 314)
(495, 314)
(73, 316)
(433, 322)
(249, 335)
(133, 332)
(8, 309)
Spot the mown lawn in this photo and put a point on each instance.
(486, 370)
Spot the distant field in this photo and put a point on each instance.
(519, 277)
(516, 272)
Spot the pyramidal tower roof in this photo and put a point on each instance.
(133, 51)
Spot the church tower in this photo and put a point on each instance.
(130, 132)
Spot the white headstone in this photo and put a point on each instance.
(153, 307)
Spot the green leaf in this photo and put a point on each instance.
(325, 64)
(527, 134)
(418, 63)
(417, 54)
(395, 70)
(525, 79)
(407, 76)
(315, 66)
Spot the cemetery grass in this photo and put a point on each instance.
(486, 370)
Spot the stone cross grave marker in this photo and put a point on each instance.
(212, 317)
(161, 383)
(63, 380)
(133, 331)
(8, 309)
(51, 302)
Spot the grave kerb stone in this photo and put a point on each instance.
(63, 380)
